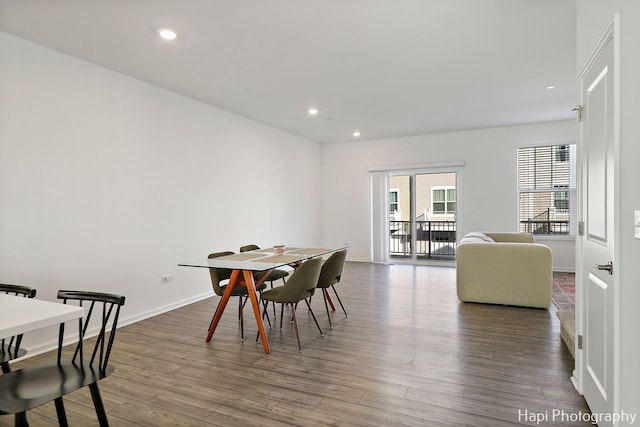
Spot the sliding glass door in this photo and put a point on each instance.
(422, 216)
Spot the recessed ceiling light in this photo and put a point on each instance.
(550, 86)
(312, 111)
(167, 33)
(356, 133)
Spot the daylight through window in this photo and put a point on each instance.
(546, 189)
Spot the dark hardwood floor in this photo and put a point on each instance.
(409, 354)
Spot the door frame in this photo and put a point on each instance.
(610, 35)
(379, 186)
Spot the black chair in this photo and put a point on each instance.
(10, 346)
(299, 287)
(33, 386)
(330, 275)
(220, 275)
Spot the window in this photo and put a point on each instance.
(546, 189)
(562, 153)
(443, 200)
(561, 199)
(394, 201)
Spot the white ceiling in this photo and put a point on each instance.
(386, 67)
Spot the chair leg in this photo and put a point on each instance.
(329, 300)
(338, 296)
(21, 420)
(295, 307)
(265, 313)
(97, 403)
(295, 325)
(241, 319)
(314, 317)
(326, 307)
(5, 367)
(62, 414)
(281, 314)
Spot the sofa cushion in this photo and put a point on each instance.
(478, 235)
(472, 239)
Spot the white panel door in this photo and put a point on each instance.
(598, 162)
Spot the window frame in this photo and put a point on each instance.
(396, 191)
(566, 198)
(557, 173)
(446, 201)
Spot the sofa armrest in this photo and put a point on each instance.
(504, 273)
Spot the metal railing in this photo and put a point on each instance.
(543, 224)
(433, 239)
(534, 226)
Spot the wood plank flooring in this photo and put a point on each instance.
(409, 354)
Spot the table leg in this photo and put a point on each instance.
(251, 290)
(326, 292)
(234, 280)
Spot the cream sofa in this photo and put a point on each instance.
(503, 268)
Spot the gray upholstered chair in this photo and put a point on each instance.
(220, 275)
(273, 276)
(10, 346)
(299, 287)
(330, 275)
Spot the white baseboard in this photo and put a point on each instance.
(163, 309)
(358, 260)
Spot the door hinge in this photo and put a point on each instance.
(579, 342)
(578, 108)
(580, 228)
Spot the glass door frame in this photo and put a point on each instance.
(431, 238)
(379, 198)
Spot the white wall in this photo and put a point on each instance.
(593, 16)
(107, 183)
(487, 191)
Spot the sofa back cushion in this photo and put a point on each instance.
(477, 237)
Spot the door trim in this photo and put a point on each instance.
(411, 167)
(379, 201)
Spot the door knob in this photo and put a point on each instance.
(606, 267)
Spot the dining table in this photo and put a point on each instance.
(261, 261)
(19, 315)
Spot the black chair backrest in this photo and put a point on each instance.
(10, 346)
(247, 248)
(107, 310)
(18, 290)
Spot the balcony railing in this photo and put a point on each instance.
(546, 222)
(433, 239)
(536, 226)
